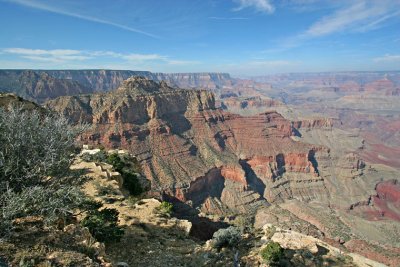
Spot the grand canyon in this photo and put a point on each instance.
(199, 133)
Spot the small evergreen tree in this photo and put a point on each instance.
(272, 253)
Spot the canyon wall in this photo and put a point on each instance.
(38, 86)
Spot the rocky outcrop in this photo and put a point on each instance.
(351, 166)
(191, 150)
(315, 123)
(8, 100)
(304, 243)
(250, 105)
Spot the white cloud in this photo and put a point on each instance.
(52, 9)
(67, 56)
(388, 58)
(259, 5)
(228, 18)
(55, 55)
(54, 52)
(358, 16)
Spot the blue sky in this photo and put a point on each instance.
(242, 37)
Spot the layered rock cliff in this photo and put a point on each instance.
(196, 153)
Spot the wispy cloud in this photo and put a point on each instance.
(68, 55)
(358, 16)
(54, 52)
(387, 58)
(53, 9)
(259, 5)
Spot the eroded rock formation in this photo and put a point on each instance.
(195, 152)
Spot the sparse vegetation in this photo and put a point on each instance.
(128, 167)
(104, 190)
(272, 253)
(245, 223)
(100, 156)
(128, 171)
(228, 237)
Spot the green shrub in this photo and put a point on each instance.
(272, 253)
(166, 208)
(116, 161)
(228, 237)
(103, 225)
(131, 183)
(36, 152)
